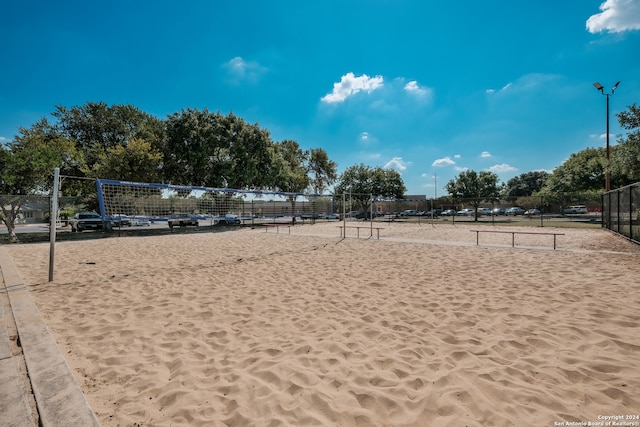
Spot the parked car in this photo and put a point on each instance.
(331, 216)
(484, 211)
(577, 209)
(229, 219)
(514, 211)
(182, 220)
(89, 221)
(448, 212)
(466, 212)
(498, 211)
(364, 215)
(533, 211)
(409, 212)
(121, 220)
(140, 221)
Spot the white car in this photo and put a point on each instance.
(140, 221)
(578, 209)
(466, 212)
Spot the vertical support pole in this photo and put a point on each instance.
(607, 173)
(344, 214)
(618, 210)
(630, 212)
(371, 215)
(103, 211)
(54, 221)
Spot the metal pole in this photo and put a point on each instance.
(344, 216)
(607, 173)
(371, 215)
(54, 221)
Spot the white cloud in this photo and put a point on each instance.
(457, 156)
(611, 135)
(397, 163)
(445, 161)
(240, 70)
(616, 16)
(461, 169)
(485, 154)
(504, 88)
(350, 85)
(502, 168)
(413, 88)
(366, 139)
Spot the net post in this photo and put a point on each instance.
(101, 199)
(53, 217)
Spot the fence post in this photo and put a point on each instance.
(54, 221)
(630, 212)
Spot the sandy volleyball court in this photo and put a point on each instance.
(419, 328)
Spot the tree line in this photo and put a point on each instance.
(191, 147)
(201, 148)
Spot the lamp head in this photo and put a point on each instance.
(598, 86)
(615, 86)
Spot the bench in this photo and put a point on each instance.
(513, 235)
(343, 231)
(277, 226)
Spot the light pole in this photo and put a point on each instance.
(607, 172)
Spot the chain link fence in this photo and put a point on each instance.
(621, 211)
(561, 207)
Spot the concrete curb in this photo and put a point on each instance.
(59, 399)
(15, 410)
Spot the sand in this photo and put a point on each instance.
(419, 328)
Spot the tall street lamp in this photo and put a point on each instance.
(607, 173)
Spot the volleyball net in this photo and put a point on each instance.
(159, 202)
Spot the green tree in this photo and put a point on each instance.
(625, 165)
(322, 170)
(363, 182)
(524, 185)
(582, 172)
(136, 161)
(293, 177)
(292, 171)
(213, 150)
(26, 167)
(474, 188)
(197, 149)
(252, 155)
(303, 170)
(96, 127)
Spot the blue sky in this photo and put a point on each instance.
(429, 88)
